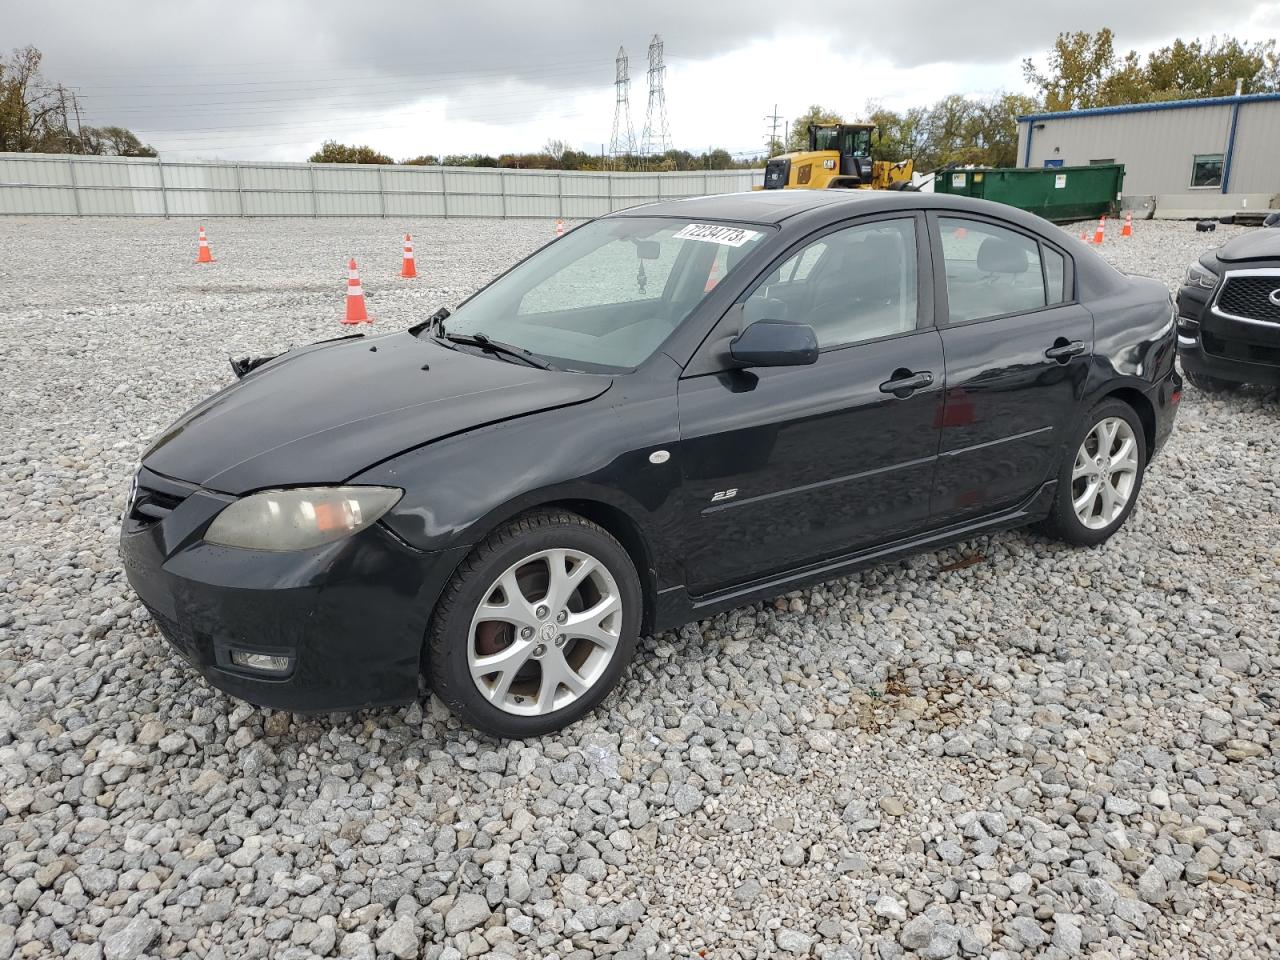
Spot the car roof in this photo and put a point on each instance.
(752, 206)
(774, 207)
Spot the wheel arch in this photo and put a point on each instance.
(1143, 407)
(623, 527)
(614, 519)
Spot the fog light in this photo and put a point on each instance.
(261, 662)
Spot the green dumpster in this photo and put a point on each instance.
(1055, 193)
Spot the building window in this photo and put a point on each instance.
(1102, 163)
(1206, 170)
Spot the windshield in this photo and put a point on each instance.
(826, 138)
(605, 296)
(850, 142)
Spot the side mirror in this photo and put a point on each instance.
(775, 343)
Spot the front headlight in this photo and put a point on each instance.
(1200, 276)
(284, 520)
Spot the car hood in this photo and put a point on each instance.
(323, 413)
(1258, 245)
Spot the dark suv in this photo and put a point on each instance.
(1229, 314)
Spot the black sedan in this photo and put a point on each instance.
(1229, 314)
(670, 411)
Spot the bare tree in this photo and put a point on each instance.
(36, 115)
(556, 149)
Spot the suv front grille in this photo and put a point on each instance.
(1250, 296)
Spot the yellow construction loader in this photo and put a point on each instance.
(839, 156)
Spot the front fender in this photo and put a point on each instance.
(459, 489)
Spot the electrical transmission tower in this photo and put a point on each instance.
(656, 139)
(623, 142)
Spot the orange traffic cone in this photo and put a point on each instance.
(1127, 229)
(1101, 233)
(408, 269)
(713, 277)
(355, 297)
(204, 256)
(559, 227)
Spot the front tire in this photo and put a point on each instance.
(1208, 384)
(536, 626)
(1101, 476)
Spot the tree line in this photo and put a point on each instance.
(1081, 70)
(554, 155)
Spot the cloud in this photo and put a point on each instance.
(278, 74)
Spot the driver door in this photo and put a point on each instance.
(785, 466)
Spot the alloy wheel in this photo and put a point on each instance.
(1105, 473)
(544, 632)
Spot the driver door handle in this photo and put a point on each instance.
(1063, 350)
(904, 382)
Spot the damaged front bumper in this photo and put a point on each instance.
(348, 618)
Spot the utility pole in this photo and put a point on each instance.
(773, 129)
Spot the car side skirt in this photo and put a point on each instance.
(675, 606)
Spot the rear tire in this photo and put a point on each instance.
(552, 604)
(1208, 384)
(1100, 478)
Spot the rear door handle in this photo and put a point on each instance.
(1063, 350)
(904, 382)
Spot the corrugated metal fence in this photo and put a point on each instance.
(67, 185)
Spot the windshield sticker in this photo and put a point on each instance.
(713, 233)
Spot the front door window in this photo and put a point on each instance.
(852, 285)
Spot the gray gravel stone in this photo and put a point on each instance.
(916, 932)
(400, 939)
(792, 941)
(467, 913)
(131, 940)
(1152, 886)
(890, 908)
(1067, 934)
(1028, 931)
(687, 799)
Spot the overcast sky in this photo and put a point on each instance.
(271, 79)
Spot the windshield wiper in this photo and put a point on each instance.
(497, 346)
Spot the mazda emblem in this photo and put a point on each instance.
(1275, 297)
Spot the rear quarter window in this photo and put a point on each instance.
(1055, 274)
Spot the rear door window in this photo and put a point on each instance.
(991, 271)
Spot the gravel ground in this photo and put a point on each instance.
(1004, 749)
